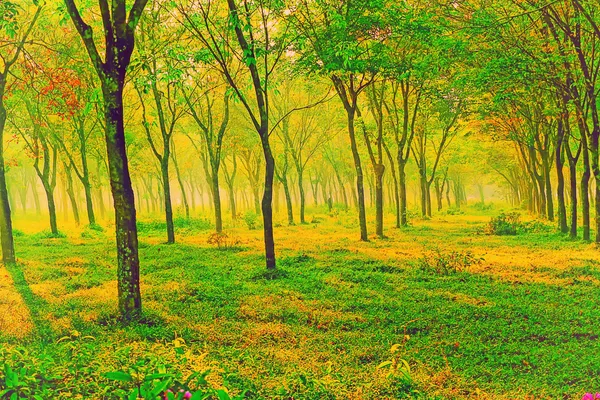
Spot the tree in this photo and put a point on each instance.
(119, 34)
(12, 46)
(201, 106)
(260, 50)
(343, 41)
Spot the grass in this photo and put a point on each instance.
(521, 324)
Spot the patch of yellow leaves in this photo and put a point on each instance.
(15, 317)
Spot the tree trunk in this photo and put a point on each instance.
(585, 183)
(379, 171)
(128, 270)
(49, 190)
(548, 188)
(438, 194)
(360, 189)
(232, 207)
(448, 193)
(423, 186)
(573, 193)
(166, 184)
(560, 190)
(257, 204)
(428, 197)
(342, 188)
(302, 196)
(217, 199)
(6, 232)
(71, 194)
(186, 205)
(267, 201)
(288, 200)
(402, 186)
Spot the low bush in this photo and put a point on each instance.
(480, 206)
(47, 234)
(223, 241)
(92, 231)
(504, 224)
(251, 219)
(454, 211)
(440, 263)
(183, 225)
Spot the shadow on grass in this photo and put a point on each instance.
(34, 303)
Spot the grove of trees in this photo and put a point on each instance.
(226, 107)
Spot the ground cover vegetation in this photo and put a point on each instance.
(230, 199)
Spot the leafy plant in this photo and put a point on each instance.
(251, 220)
(223, 241)
(504, 224)
(440, 263)
(47, 234)
(396, 365)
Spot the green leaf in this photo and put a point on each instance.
(152, 377)
(118, 376)
(223, 395)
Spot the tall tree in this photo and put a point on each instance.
(119, 42)
(13, 41)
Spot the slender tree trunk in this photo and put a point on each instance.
(560, 190)
(302, 195)
(342, 188)
(87, 188)
(257, 203)
(71, 193)
(448, 193)
(6, 232)
(573, 193)
(585, 183)
(548, 188)
(186, 206)
(360, 189)
(267, 201)
(379, 171)
(217, 199)
(438, 194)
(232, 207)
(49, 190)
(423, 185)
(288, 200)
(85, 180)
(166, 184)
(35, 194)
(402, 186)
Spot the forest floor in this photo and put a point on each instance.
(487, 317)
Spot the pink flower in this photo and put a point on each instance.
(188, 396)
(597, 396)
(589, 396)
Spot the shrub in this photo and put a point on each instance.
(440, 263)
(536, 226)
(504, 224)
(92, 231)
(18, 233)
(47, 234)
(251, 220)
(483, 206)
(223, 241)
(183, 225)
(454, 211)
